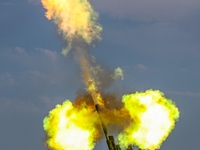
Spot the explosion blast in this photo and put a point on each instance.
(144, 119)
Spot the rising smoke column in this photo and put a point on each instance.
(76, 20)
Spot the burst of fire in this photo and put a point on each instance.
(146, 118)
(70, 128)
(150, 119)
(153, 118)
(75, 19)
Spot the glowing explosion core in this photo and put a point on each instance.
(145, 119)
(151, 118)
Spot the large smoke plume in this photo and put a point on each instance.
(144, 119)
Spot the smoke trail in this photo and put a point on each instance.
(88, 79)
(76, 20)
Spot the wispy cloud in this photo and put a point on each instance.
(193, 94)
(142, 68)
(38, 78)
(20, 50)
(184, 70)
(52, 54)
(6, 3)
(55, 99)
(144, 10)
(34, 2)
(16, 105)
(37, 67)
(51, 102)
(6, 79)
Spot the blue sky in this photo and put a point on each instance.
(155, 42)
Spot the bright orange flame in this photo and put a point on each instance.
(147, 118)
(75, 19)
(153, 118)
(71, 128)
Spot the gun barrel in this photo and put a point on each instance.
(109, 139)
(102, 123)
